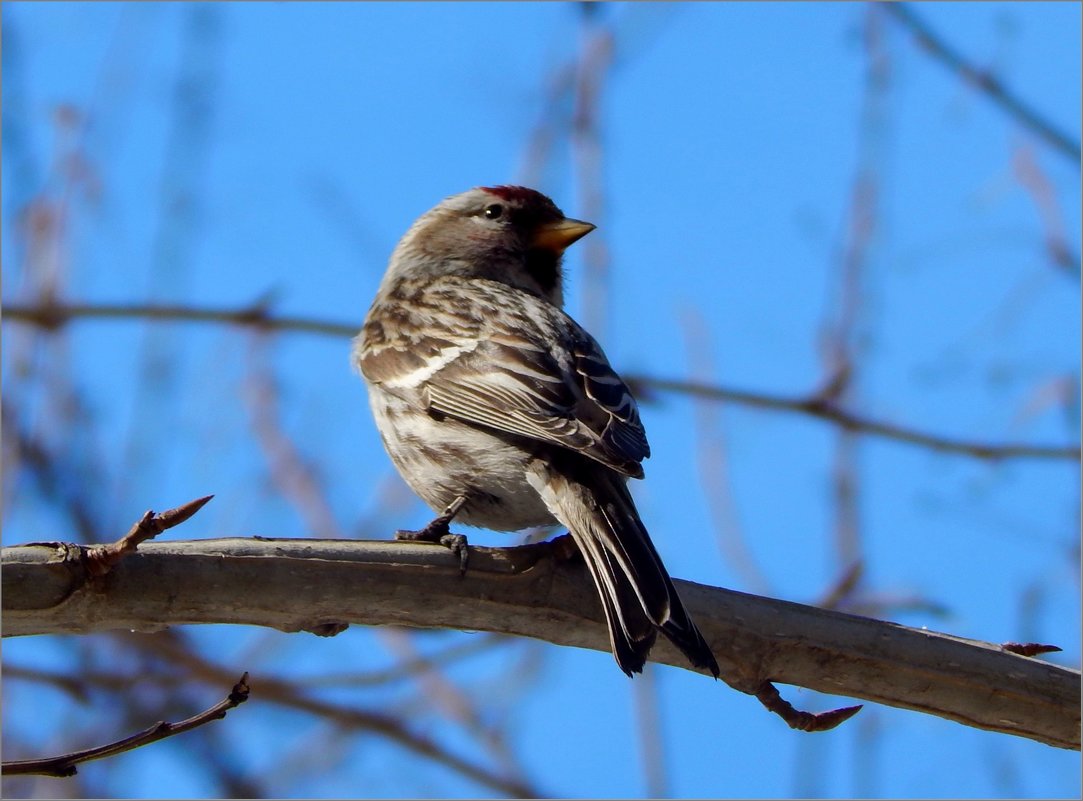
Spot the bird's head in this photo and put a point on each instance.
(509, 234)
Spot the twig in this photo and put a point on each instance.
(292, 695)
(56, 315)
(49, 472)
(440, 692)
(844, 587)
(803, 721)
(409, 669)
(713, 470)
(847, 323)
(293, 474)
(65, 764)
(1029, 174)
(1030, 648)
(984, 81)
(77, 687)
(553, 114)
(817, 406)
(592, 66)
(650, 733)
(100, 559)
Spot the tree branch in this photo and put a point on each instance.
(984, 81)
(52, 316)
(826, 409)
(306, 584)
(65, 764)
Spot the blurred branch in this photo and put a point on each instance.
(178, 209)
(53, 316)
(304, 584)
(984, 81)
(293, 474)
(26, 450)
(712, 456)
(848, 328)
(817, 406)
(296, 694)
(65, 764)
(592, 67)
(186, 664)
(444, 695)
(409, 669)
(1029, 174)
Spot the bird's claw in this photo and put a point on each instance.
(456, 543)
(437, 532)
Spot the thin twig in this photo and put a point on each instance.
(551, 117)
(409, 669)
(984, 81)
(65, 764)
(56, 315)
(53, 316)
(1032, 178)
(440, 692)
(713, 462)
(100, 559)
(294, 695)
(843, 587)
(592, 66)
(1030, 648)
(803, 721)
(293, 473)
(847, 324)
(651, 734)
(816, 406)
(54, 476)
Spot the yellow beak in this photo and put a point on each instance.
(556, 236)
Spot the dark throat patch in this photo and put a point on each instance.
(544, 267)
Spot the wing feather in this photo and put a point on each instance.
(527, 370)
(577, 402)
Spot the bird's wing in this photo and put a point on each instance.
(530, 371)
(573, 398)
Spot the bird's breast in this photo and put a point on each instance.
(444, 458)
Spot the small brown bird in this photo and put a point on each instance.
(500, 411)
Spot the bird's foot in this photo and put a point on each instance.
(438, 531)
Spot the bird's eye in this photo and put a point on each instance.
(493, 212)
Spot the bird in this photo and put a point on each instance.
(502, 412)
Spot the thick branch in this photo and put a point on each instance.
(305, 584)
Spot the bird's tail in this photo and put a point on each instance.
(637, 593)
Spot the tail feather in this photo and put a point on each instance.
(631, 636)
(637, 594)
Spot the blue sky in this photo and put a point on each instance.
(731, 136)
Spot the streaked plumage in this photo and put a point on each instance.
(483, 388)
